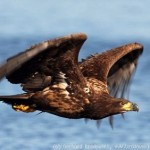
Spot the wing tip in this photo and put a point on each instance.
(56, 42)
(79, 36)
(138, 45)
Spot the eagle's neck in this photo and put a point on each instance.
(101, 106)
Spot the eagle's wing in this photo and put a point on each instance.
(37, 67)
(114, 67)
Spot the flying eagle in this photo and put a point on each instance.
(55, 82)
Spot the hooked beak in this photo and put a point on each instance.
(130, 107)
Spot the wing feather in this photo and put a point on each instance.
(37, 67)
(114, 67)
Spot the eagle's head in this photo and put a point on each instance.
(119, 105)
(111, 106)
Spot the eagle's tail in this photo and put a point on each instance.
(20, 102)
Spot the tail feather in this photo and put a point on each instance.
(19, 96)
(20, 102)
(15, 98)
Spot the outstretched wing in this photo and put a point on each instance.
(115, 67)
(37, 67)
(50, 74)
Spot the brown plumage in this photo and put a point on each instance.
(55, 82)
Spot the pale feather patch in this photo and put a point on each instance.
(87, 101)
(61, 85)
(62, 75)
(86, 90)
(46, 90)
(97, 85)
(60, 81)
(65, 93)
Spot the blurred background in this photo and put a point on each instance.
(108, 24)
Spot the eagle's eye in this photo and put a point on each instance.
(122, 103)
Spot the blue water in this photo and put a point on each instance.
(108, 24)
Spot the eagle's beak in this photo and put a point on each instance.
(130, 107)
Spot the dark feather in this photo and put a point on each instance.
(120, 64)
(55, 82)
(35, 67)
(121, 73)
(113, 60)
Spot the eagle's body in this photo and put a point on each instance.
(55, 82)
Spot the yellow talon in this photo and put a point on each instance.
(23, 108)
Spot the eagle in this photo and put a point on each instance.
(54, 81)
